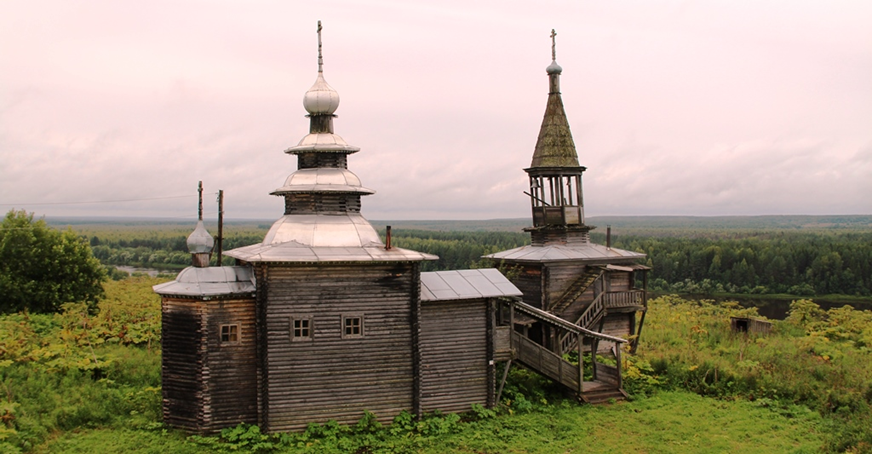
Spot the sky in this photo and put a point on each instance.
(703, 108)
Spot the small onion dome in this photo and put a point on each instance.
(321, 99)
(554, 68)
(199, 241)
(323, 179)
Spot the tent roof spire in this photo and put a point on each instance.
(554, 147)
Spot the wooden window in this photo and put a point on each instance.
(352, 326)
(302, 328)
(229, 334)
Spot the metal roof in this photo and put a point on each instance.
(211, 281)
(322, 141)
(323, 179)
(323, 230)
(299, 253)
(556, 253)
(465, 284)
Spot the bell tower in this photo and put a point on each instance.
(555, 175)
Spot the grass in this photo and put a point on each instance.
(667, 422)
(807, 387)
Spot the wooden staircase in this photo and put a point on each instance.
(588, 319)
(607, 383)
(576, 288)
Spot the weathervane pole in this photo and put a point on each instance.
(320, 59)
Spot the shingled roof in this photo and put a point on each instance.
(555, 147)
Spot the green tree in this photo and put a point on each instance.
(42, 268)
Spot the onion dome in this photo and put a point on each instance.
(554, 68)
(199, 241)
(321, 99)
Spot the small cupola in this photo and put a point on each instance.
(200, 243)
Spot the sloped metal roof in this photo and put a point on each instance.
(555, 253)
(293, 251)
(211, 281)
(465, 284)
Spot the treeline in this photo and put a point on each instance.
(801, 262)
(798, 263)
(457, 250)
(157, 247)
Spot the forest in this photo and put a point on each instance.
(799, 255)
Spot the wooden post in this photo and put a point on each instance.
(220, 224)
(578, 341)
(618, 359)
(503, 381)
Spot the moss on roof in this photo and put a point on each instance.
(555, 147)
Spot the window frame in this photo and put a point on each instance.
(293, 329)
(361, 326)
(230, 332)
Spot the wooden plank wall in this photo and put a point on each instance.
(529, 281)
(181, 362)
(230, 375)
(618, 324)
(454, 355)
(619, 281)
(331, 377)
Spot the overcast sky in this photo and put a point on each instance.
(677, 108)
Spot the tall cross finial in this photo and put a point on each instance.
(320, 59)
(553, 45)
(200, 210)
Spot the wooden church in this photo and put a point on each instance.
(323, 320)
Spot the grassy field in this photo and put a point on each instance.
(79, 382)
(668, 422)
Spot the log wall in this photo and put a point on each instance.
(181, 362)
(332, 376)
(207, 384)
(230, 374)
(454, 355)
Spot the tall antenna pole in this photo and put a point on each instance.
(200, 209)
(220, 223)
(320, 59)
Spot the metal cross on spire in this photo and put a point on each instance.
(320, 59)
(553, 45)
(200, 209)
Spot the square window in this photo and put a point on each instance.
(302, 328)
(352, 326)
(229, 333)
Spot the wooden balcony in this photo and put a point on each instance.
(629, 300)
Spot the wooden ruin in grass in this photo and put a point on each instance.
(323, 321)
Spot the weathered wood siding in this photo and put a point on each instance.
(619, 281)
(207, 385)
(230, 375)
(454, 355)
(618, 324)
(529, 281)
(181, 362)
(331, 377)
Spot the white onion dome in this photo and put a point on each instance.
(321, 99)
(323, 179)
(199, 241)
(554, 68)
